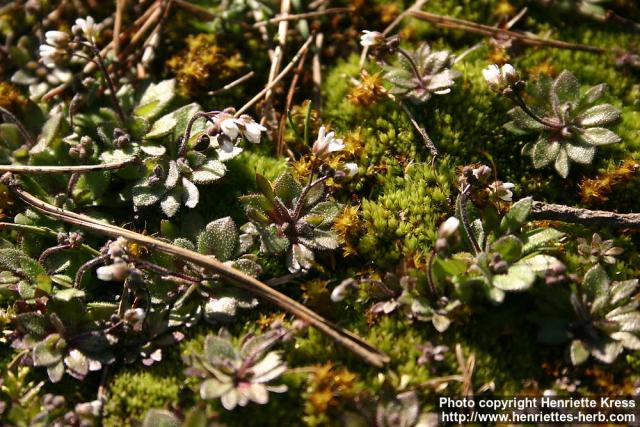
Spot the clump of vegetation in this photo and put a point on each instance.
(204, 206)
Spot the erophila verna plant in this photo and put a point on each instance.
(233, 212)
(569, 123)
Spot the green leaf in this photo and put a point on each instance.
(620, 291)
(50, 131)
(598, 136)
(219, 238)
(595, 282)
(562, 163)
(565, 88)
(213, 389)
(537, 239)
(155, 99)
(271, 240)
(517, 215)
(607, 352)
(171, 203)
(31, 323)
(593, 94)
(544, 152)
(598, 115)
(517, 278)
(440, 322)
(190, 195)
(264, 186)
(578, 352)
(539, 263)
(287, 188)
(627, 339)
(67, 295)
(509, 247)
(217, 349)
(328, 210)
(48, 351)
(580, 153)
(144, 195)
(211, 171)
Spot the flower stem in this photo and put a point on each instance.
(112, 87)
(462, 205)
(534, 116)
(187, 133)
(414, 66)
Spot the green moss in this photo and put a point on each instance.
(133, 391)
(403, 220)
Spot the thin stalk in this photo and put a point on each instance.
(187, 133)
(87, 265)
(516, 96)
(414, 66)
(430, 281)
(43, 170)
(43, 232)
(303, 195)
(23, 131)
(421, 130)
(165, 271)
(112, 87)
(462, 205)
(49, 251)
(343, 337)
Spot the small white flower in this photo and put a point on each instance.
(225, 143)
(252, 130)
(229, 127)
(89, 409)
(502, 190)
(57, 38)
(86, 27)
(509, 74)
(351, 169)
(326, 143)
(448, 227)
(135, 317)
(493, 77)
(50, 55)
(371, 38)
(340, 292)
(114, 272)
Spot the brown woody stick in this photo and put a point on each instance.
(486, 30)
(19, 169)
(550, 211)
(236, 277)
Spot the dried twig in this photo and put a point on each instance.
(550, 211)
(299, 16)
(236, 277)
(26, 169)
(117, 26)
(276, 61)
(279, 77)
(317, 72)
(195, 9)
(486, 30)
(233, 84)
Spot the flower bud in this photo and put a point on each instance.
(372, 38)
(493, 77)
(57, 38)
(449, 227)
(509, 74)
